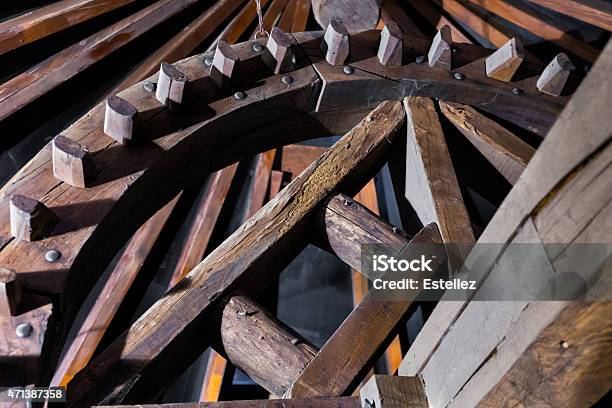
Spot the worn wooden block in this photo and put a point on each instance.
(170, 86)
(10, 292)
(122, 121)
(72, 163)
(335, 43)
(391, 44)
(555, 75)
(30, 219)
(357, 15)
(224, 69)
(278, 53)
(440, 52)
(386, 391)
(504, 62)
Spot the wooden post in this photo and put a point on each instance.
(225, 65)
(555, 75)
(504, 62)
(386, 391)
(122, 121)
(279, 53)
(335, 43)
(30, 219)
(391, 45)
(170, 86)
(10, 292)
(72, 163)
(440, 52)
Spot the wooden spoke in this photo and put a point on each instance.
(245, 252)
(392, 11)
(356, 14)
(122, 121)
(359, 341)
(386, 391)
(171, 84)
(436, 19)
(286, 21)
(302, 11)
(335, 44)
(391, 48)
(504, 150)
(280, 50)
(596, 12)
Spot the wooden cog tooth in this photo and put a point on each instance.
(122, 121)
(335, 43)
(10, 292)
(390, 50)
(555, 75)
(30, 219)
(440, 52)
(72, 163)
(503, 63)
(225, 65)
(279, 51)
(170, 86)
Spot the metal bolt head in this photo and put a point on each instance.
(208, 61)
(293, 60)
(150, 86)
(24, 330)
(287, 80)
(565, 344)
(420, 59)
(258, 48)
(348, 70)
(52, 255)
(454, 50)
(517, 91)
(459, 76)
(240, 95)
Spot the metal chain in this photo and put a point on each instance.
(260, 30)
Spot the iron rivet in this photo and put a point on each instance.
(240, 95)
(150, 86)
(287, 80)
(565, 344)
(420, 59)
(208, 61)
(517, 91)
(348, 70)
(293, 60)
(24, 330)
(459, 76)
(258, 48)
(454, 50)
(52, 255)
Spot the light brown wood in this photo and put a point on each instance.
(440, 52)
(355, 14)
(31, 220)
(555, 75)
(286, 21)
(596, 12)
(391, 46)
(261, 180)
(122, 121)
(213, 378)
(385, 391)
(335, 45)
(302, 12)
(504, 150)
(44, 21)
(295, 158)
(72, 163)
(504, 62)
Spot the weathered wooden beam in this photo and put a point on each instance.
(302, 12)
(122, 121)
(247, 255)
(504, 150)
(504, 62)
(355, 14)
(335, 43)
(267, 350)
(596, 12)
(105, 307)
(392, 11)
(285, 23)
(391, 46)
(438, 20)
(44, 21)
(342, 402)
(72, 163)
(53, 71)
(31, 220)
(555, 75)
(386, 391)
(440, 52)
(525, 19)
(363, 336)
(261, 180)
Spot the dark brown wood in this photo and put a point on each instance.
(504, 62)
(171, 83)
(555, 75)
(31, 220)
(385, 391)
(248, 255)
(391, 47)
(122, 121)
(438, 20)
(44, 21)
(440, 52)
(279, 52)
(356, 14)
(392, 10)
(267, 350)
(11, 289)
(596, 12)
(343, 402)
(363, 336)
(72, 163)
(286, 21)
(272, 15)
(48, 74)
(335, 44)
(295, 158)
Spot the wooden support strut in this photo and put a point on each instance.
(72, 163)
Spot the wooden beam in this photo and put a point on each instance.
(596, 12)
(247, 254)
(504, 150)
(529, 21)
(363, 336)
(342, 402)
(286, 21)
(438, 20)
(50, 19)
(391, 10)
(53, 71)
(295, 158)
(385, 391)
(112, 294)
(302, 12)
